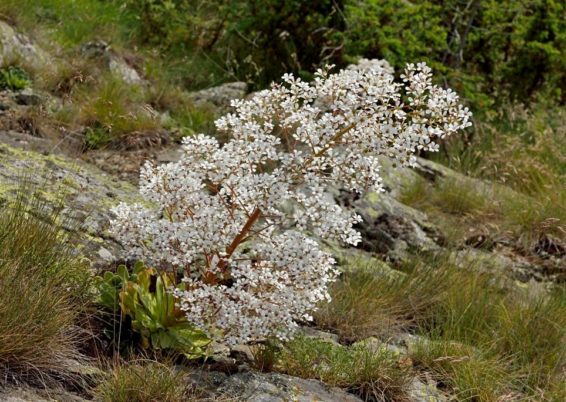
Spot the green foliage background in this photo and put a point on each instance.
(486, 49)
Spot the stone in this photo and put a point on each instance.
(35, 395)
(391, 228)
(272, 387)
(120, 68)
(314, 333)
(220, 96)
(106, 255)
(82, 193)
(420, 392)
(378, 346)
(99, 49)
(505, 262)
(16, 47)
(28, 97)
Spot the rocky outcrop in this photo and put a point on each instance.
(82, 193)
(271, 387)
(100, 50)
(389, 227)
(220, 96)
(18, 48)
(34, 395)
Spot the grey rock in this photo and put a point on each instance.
(28, 97)
(106, 255)
(314, 333)
(517, 267)
(420, 392)
(16, 47)
(261, 387)
(34, 395)
(220, 96)
(391, 228)
(120, 68)
(100, 49)
(82, 193)
(172, 154)
(378, 346)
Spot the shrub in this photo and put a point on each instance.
(250, 270)
(41, 293)
(253, 40)
(481, 47)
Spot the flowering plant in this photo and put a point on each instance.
(235, 217)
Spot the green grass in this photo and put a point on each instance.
(489, 339)
(524, 149)
(42, 290)
(529, 218)
(62, 26)
(112, 109)
(71, 23)
(374, 375)
(470, 375)
(143, 381)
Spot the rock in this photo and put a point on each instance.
(82, 193)
(168, 155)
(391, 228)
(512, 265)
(99, 49)
(350, 259)
(378, 346)
(27, 142)
(220, 96)
(35, 395)
(121, 69)
(420, 392)
(314, 333)
(28, 97)
(272, 387)
(18, 48)
(106, 255)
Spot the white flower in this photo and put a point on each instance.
(222, 212)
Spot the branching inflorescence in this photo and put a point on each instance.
(240, 219)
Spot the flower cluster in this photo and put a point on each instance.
(235, 217)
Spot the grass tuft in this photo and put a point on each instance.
(484, 338)
(42, 289)
(370, 301)
(470, 375)
(374, 375)
(143, 381)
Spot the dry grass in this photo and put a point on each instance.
(462, 206)
(370, 301)
(524, 150)
(489, 341)
(41, 294)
